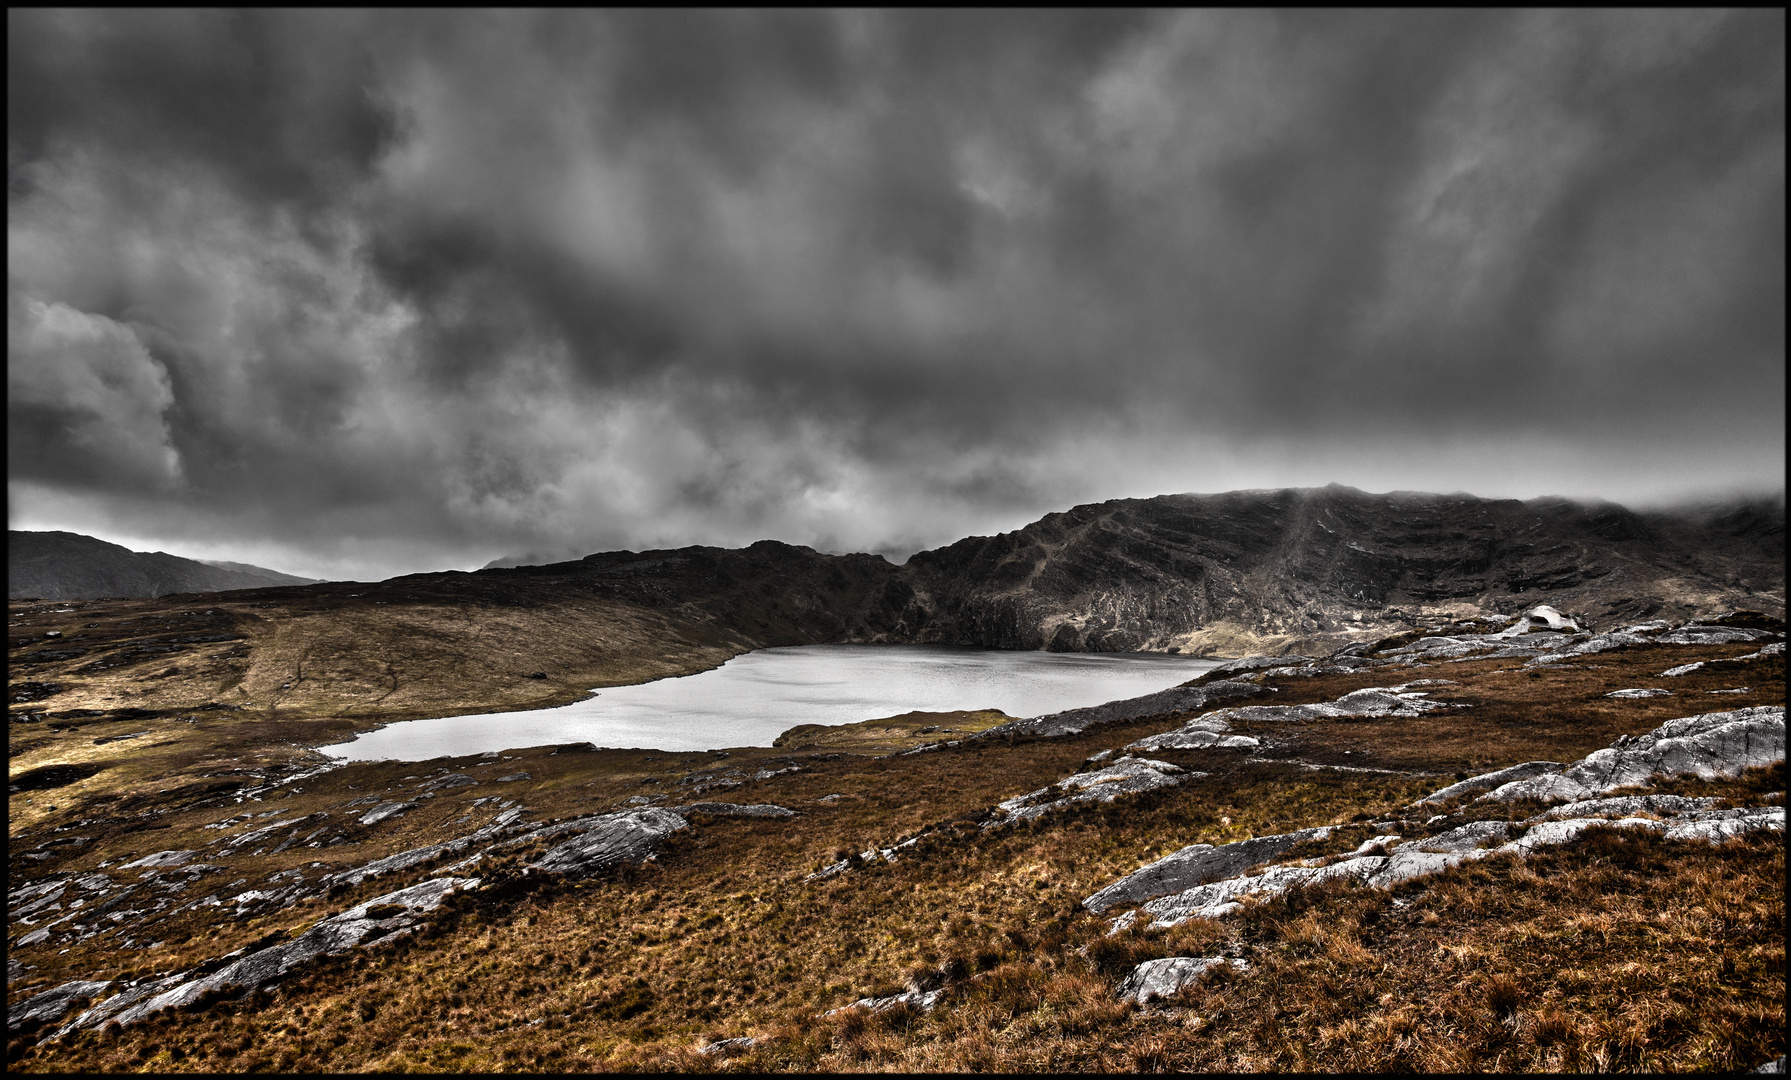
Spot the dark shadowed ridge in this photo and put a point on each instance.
(1207, 574)
(69, 566)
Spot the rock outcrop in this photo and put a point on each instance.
(1205, 882)
(386, 916)
(1123, 776)
(1155, 979)
(1195, 865)
(1708, 746)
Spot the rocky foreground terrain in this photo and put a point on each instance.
(1478, 843)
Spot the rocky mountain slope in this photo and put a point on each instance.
(1297, 571)
(68, 566)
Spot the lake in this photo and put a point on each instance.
(757, 696)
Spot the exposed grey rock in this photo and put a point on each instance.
(1693, 634)
(161, 858)
(1640, 693)
(624, 836)
(513, 777)
(335, 934)
(1464, 838)
(728, 1046)
(1710, 745)
(1543, 614)
(1774, 1067)
(735, 809)
(1123, 776)
(1201, 733)
(924, 1000)
(1257, 663)
(51, 1004)
(452, 781)
(386, 810)
(1370, 701)
(1596, 644)
(1550, 833)
(114, 1005)
(1197, 864)
(1075, 721)
(1719, 825)
(1488, 781)
(1625, 806)
(1777, 648)
(1164, 978)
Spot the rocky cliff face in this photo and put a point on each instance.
(68, 566)
(1266, 570)
(1248, 571)
(1232, 574)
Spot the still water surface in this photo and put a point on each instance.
(757, 696)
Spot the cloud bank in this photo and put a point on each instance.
(354, 294)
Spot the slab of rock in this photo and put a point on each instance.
(1640, 693)
(1710, 745)
(1155, 979)
(162, 858)
(1197, 864)
(924, 1000)
(624, 836)
(1257, 663)
(338, 933)
(723, 809)
(1123, 776)
(1075, 721)
(1596, 644)
(452, 781)
(1470, 837)
(1719, 825)
(1626, 806)
(1488, 781)
(513, 777)
(1694, 634)
(1201, 733)
(386, 810)
(51, 1004)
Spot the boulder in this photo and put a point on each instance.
(1194, 865)
(1488, 781)
(163, 858)
(51, 1004)
(723, 809)
(1710, 745)
(1123, 776)
(1164, 978)
(386, 810)
(624, 836)
(1075, 721)
(335, 934)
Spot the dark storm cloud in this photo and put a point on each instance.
(385, 288)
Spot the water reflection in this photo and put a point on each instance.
(757, 696)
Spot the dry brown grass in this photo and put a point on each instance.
(1619, 952)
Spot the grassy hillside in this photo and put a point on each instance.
(1619, 951)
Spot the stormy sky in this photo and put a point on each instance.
(357, 294)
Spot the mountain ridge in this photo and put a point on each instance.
(56, 565)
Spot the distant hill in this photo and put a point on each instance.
(260, 571)
(1241, 572)
(70, 566)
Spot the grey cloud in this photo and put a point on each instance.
(469, 282)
